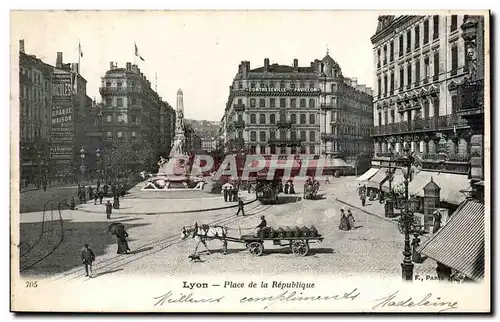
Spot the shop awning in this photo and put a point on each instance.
(377, 179)
(368, 174)
(421, 179)
(450, 185)
(397, 178)
(460, 243)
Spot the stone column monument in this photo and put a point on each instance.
(179, 144)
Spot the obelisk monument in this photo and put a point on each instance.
(179, 144)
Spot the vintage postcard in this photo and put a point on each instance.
(250, 161)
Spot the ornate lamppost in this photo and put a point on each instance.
(82, 166)
(99, 162)
(408, 208)
(389, 204)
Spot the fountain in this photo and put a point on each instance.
(174, 173)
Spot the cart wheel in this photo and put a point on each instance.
(300, 247)
(255, 248)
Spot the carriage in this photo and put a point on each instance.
(311, 189)
(266, 190)
(298, 239)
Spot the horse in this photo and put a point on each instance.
(203, 232)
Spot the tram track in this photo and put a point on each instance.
(157, 245)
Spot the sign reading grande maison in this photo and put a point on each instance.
(288, 90)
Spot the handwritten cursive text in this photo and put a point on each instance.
(169, 297)
(392, 300)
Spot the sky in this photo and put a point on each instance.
(197, 51)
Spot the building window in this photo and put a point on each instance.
(253, 149)
(417, 71)
(426, 109)
(401, 44)
(408, 41)
(409, 74)
(293, 135)
(435, 21)
(302, 102)
(119, 134)
(240, 102)
(109, 135)
(109, 102)
(302, 84)
(272, 119)
(426, 69)
(272, 102)
(282, 102)
(253, 119)
(426, 32)
(109, 118)
(311, 103)
(282, 117)
(262, 135)
(436, 65)
(385, 85)
(262, 118)
(133, 119)
(240, 85)
(385, 55)
(379, 58)
(312, 149)
(292, 85)
(293, 103)
(282, 135)
(302, 119)
(119, 102)
(311, 85)
(312, 136)
(118, 85)
(293, 118)
(252, 102)
(132, 134)
(108, 84)
(272, 149)
(240, 134)
(272, 135)
(303, 150)
(262, 102)
(253, 136)
(134, 101)
(252, 85)
(454, 60)
(436, 107)
(391, 49)
(417, 37)
(302, 135)
(379, 86)
(271, 85)
(392, 84)
(454, 104)
(240, 117)
(379, 119)
(262, 85)
(453, 26)
(282, 84)
(393, 116)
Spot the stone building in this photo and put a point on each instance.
(281, 109)
(35, 107)
(133, 111)
(420, 63)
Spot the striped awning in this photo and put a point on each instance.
(377, 179)
(368, 174)
(460, 243)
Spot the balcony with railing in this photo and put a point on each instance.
(239, 124)
(440, 157)
(440, 123)
(281, 124)
(113, 90)
(239, 107)
(327, 106)
(471, 99)
(284, 141)
(330, 136)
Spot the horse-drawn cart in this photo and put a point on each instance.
(298, 245)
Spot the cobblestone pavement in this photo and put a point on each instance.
(375, 247)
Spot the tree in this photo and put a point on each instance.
(119, 160)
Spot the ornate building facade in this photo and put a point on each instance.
(420, 62)
(133, 111)
(281, 109)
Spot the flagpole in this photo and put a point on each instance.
(79, 55)
(134, 52)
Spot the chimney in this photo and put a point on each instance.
(266, 64)
(134, 68)
(129, 66)
(59, 61)
(295, 63)
(21, 45)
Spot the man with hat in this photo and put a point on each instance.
(87, 258)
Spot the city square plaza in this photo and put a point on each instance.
(154, 226)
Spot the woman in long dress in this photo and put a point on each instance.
(344, 223)
(350, 218)
(122, 242)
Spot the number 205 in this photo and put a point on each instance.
(31, 284)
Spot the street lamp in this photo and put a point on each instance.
(82, 156)
(407, 215)
(99, 162)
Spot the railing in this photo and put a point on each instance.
(116, 89)
(284, 124)
(238, 124)
(284, 141)
(327, 106)
(446, 157)
(430, 124)
(329, 136)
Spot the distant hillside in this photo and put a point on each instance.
(205, 129)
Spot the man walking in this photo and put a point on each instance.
(101, 195)
(240, 207)
(87, 258)
(225, 194)
(109, 209)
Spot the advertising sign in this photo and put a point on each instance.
(62, 116)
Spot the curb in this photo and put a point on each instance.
(174, 212)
